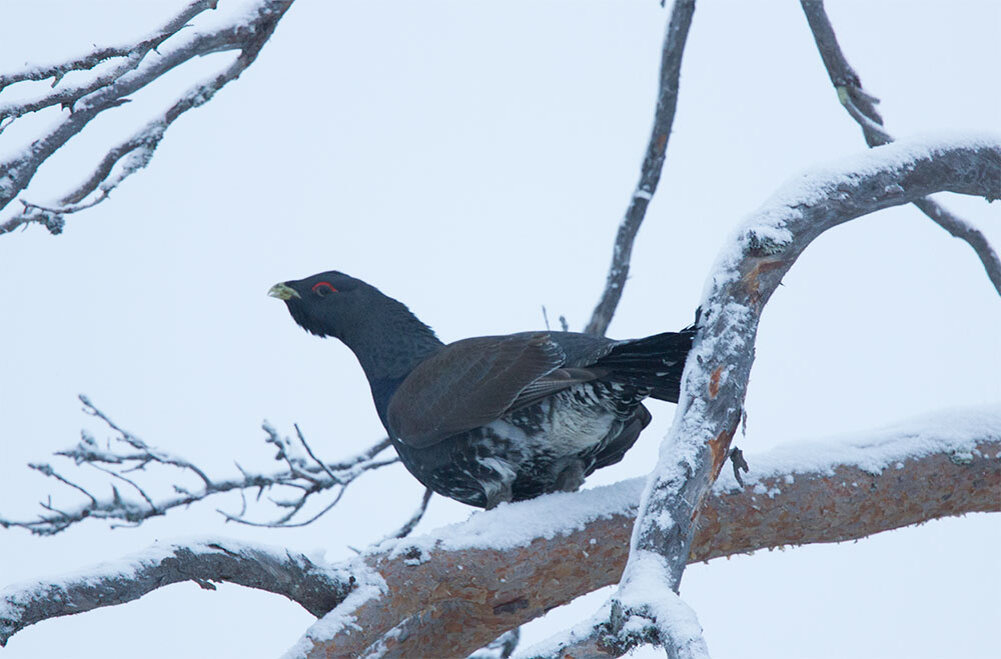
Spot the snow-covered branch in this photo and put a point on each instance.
(461, 586)
(464, 585)
(653, 164)
(715, 383)
(316, 588)
(861, 106)
(114, 74)
(123, 461)
(450, 592)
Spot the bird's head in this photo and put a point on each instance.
(329, 303)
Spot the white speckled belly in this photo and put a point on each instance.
(571, 421)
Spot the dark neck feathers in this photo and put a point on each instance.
(389, 340)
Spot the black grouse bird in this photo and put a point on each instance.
(493, 418)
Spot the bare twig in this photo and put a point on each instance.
(306, 475)
(653, 164)
(861, 106)
(246, 35)
(87, 62)
(415, 519)
(67, 95)
(715, 381)
(843, 76)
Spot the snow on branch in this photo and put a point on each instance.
(304, 474)
(747, 272)
(113, 73)
(861, 106)
(463, 585)
(315, 587)
(455, 589)
(653, 164)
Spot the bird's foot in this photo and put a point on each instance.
(570, 476)
(497, 493)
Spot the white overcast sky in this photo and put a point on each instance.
(473, 160)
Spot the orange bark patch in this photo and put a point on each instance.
(751, 278)
(714, 382)
(720, 447)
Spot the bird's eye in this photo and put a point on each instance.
(323, 288)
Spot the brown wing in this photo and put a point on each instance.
(470, 383)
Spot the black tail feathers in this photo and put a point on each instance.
(655, 362)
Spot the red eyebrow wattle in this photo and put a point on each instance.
(324, 283)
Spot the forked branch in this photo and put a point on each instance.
(559, 547)
(716, 374)
(131, 68)
(861, 106)
(128, 457)
(562, 546)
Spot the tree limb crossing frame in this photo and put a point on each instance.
(834, 501)
(717, 370)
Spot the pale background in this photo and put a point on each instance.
(473, 159)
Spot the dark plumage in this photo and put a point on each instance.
(493, 418)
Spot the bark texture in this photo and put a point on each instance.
(719, 365)
(458, 600)
(424, 597)
(315, 588)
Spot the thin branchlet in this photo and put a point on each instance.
(127, 457)
(860, 105)
(653, 164)
(111, 75)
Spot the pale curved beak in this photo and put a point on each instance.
(282, 292)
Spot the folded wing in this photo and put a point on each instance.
(472, 382)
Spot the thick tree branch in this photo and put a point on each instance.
(316, 588)
(565, 545)
(246, 35)
(653, 164)
(305, 475)
(454, 590)
(717, 370)
(861, 106)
